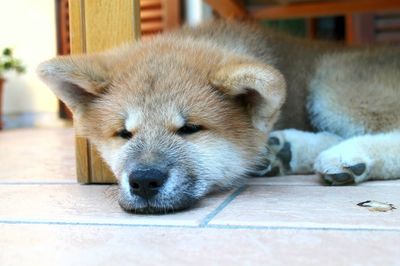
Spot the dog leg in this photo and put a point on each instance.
(361, 158)
(295, 151)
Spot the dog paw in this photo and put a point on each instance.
(276, 161)
(262, 168)
(280, 154)
(282, 150)
(341, 168)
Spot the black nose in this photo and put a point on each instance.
(146, 183)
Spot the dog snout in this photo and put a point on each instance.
(146, 183)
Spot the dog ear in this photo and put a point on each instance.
(261, 88)
(76, 80)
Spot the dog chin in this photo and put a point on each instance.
(137, 205)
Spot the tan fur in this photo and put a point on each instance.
(230, 78)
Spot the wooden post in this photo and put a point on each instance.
(171, 10)
(321, 8)
(96, 25)
(311, 28)
(350, 29)
(229, 8)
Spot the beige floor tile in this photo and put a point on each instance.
(291, 180)
(311, 206)
(310, 180)
(76, 203)
(37, 155)
(112, 245)
(383, 183)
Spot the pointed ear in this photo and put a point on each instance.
(261, 88)
(76, 80)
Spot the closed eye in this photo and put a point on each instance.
(189, 129)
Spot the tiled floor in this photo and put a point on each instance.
(46, 218)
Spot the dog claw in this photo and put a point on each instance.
(262, 169)
(275, 171)
(340, 179)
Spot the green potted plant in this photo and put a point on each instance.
(7, 63)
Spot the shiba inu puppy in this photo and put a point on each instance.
(190, 112)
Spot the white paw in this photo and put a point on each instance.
(278, 155)
(297, 150)
(343, 164)
(281, 149)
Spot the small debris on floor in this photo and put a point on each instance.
(376, 206)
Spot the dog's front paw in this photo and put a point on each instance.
(296, 150)
(277, 158)
(341, 166)
(293, 151)
(281, 149)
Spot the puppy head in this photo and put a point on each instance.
(173, 120)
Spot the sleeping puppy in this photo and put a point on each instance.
(190, 112)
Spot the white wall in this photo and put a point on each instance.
(29, 27)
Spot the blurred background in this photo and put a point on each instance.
(35, 30)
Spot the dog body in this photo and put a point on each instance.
(190, 112)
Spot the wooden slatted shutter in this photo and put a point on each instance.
(158, 15)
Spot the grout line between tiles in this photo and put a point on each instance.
(94, 224)
(38, 183)
(220, 227)
(321, 185)
(72, 182)
(283, 184)
(220, 207)
(258, 227)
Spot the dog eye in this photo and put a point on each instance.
(125, 134)
(189, 129)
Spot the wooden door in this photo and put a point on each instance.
(96, 25)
